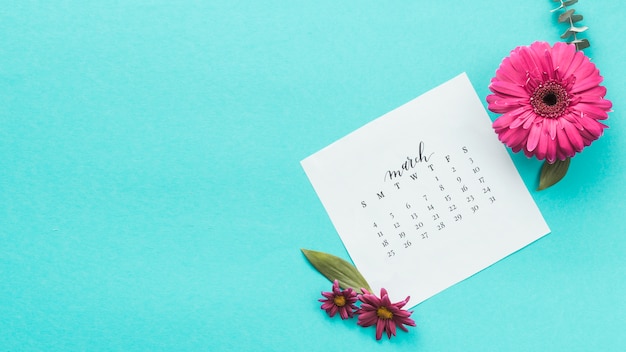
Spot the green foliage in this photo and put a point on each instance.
(569, 16)
(335, 268)
(552, 173)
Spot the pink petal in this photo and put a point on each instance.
(514, 137)
(551, 151)
(533, 136)
(588, 83)
(576, 61)
(565, 148)
(380, 326)
(527, 116)
(544, 141)
(573, 135)
(332, 311)
(343, 312)
(501, 105)
(508, 118)
(592, 110)
(592, 94)
(562, 54)
(508, 89)
(594, 127)
(390, 326)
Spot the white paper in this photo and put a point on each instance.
(425, 196)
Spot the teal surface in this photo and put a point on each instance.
(151, 196)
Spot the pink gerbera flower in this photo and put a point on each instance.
(384, 314)
(339, 300)
(551, 101)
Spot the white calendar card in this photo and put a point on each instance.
(425, 196)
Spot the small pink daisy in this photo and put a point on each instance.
(339, 300)
(384, 314)
(551, 101)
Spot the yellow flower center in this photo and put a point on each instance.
(340, 301)
(384, 313)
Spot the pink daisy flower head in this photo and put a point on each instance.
(339, 300)
(550, 99)
(384, 314)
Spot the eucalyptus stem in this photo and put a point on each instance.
(551, 173)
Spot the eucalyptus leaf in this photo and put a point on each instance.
(571, 30)
(576, 18)
(335, 268)
(552, 173)
(565, 16)
(580, 44)
(578, 29)
(569, 2)
(558, 8)
(569, 15)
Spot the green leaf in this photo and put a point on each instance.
(335, 268)
(552, 173)
(569, 15)
(564, 17)
(576, 18)
(569, 2)
(580, 44)
(558, 8)
(571, 30)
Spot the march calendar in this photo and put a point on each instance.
(425, 196)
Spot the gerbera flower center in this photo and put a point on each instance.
(550, 99)
(384, 313)
(340, 301)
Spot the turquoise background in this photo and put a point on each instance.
(151, 196)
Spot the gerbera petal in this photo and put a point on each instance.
(565, 148)
(573, 135)
(592, 94)
(577, 59)
(562, 55)
(511, 70)
(508, 88)
(526, 116)
(513, 138)
(551, 125)
(574, 119)
(551, 150)
(589, 82)
(592, 110)
(546, 63)
(505, 120)
(501, 105)
(585, 70)
(594, 127)
(568, 54)
(544, 140)
(533, 136)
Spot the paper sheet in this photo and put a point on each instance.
(425, 196)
